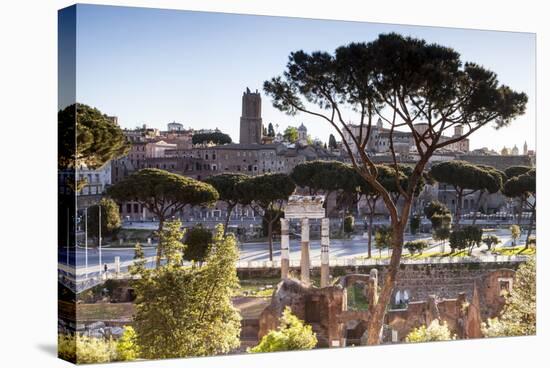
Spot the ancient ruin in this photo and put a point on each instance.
(326, 308)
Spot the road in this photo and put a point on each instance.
(258, 251)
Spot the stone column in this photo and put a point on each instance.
(304, 260)
(324, 252)
(284, 248)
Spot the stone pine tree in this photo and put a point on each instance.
(266, 195)
(402, 81)
(492, 185)
(229, 187)
(524, 187)
(466, 179)
(214, 137)
(164, 194)
(86, 137)
(98, 138)
(182, 311)
(319, 177)
(512, 172)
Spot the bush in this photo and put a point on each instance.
(126, 347)
(416, 246)
(435, 332)
(466, 238)
(515, 232)
(491, 240)
(292, 334)
(84, 349)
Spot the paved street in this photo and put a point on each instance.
(258, 251)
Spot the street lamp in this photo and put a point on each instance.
(86, 242)
(99, 237)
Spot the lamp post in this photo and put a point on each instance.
(99, 238)
(68, 232)
(86, 242)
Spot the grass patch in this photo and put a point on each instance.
(356, 299)
(515, 251)
(104, 311)
(260, 288)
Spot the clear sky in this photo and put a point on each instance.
(152, 66)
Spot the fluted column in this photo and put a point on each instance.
(284, 248)
(325, 243)
(304, 260)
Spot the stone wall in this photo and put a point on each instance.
(446, 280)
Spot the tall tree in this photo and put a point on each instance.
(270, 130)
(98, 138)
(492, 185)
(163, 194)
(229, 187)
(524, 187)
(182, 312)
(110, 218)
(511, 172)
(267, 195)
(466, 179)
(332, 142)
(214, 137)
(401, 80)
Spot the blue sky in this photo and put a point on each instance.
(155, 66)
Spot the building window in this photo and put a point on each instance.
(128, 208)
(136, 208)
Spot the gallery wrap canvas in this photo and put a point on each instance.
(242, 184)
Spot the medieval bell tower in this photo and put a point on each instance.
(251, 118)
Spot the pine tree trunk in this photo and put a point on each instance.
(228, 217)
(378, 311)
(520, 211)
(530, 229)
(371, 220)
(481, 192)
(458, 208)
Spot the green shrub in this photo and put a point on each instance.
(126, 346)
(416, 246)
(515, 232)
(434, 332)
(292, 334)
(465, 238)
(491, 240)
(84, 349)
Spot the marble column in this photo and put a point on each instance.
(304, 260)
(284, 248)
(325, 252)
